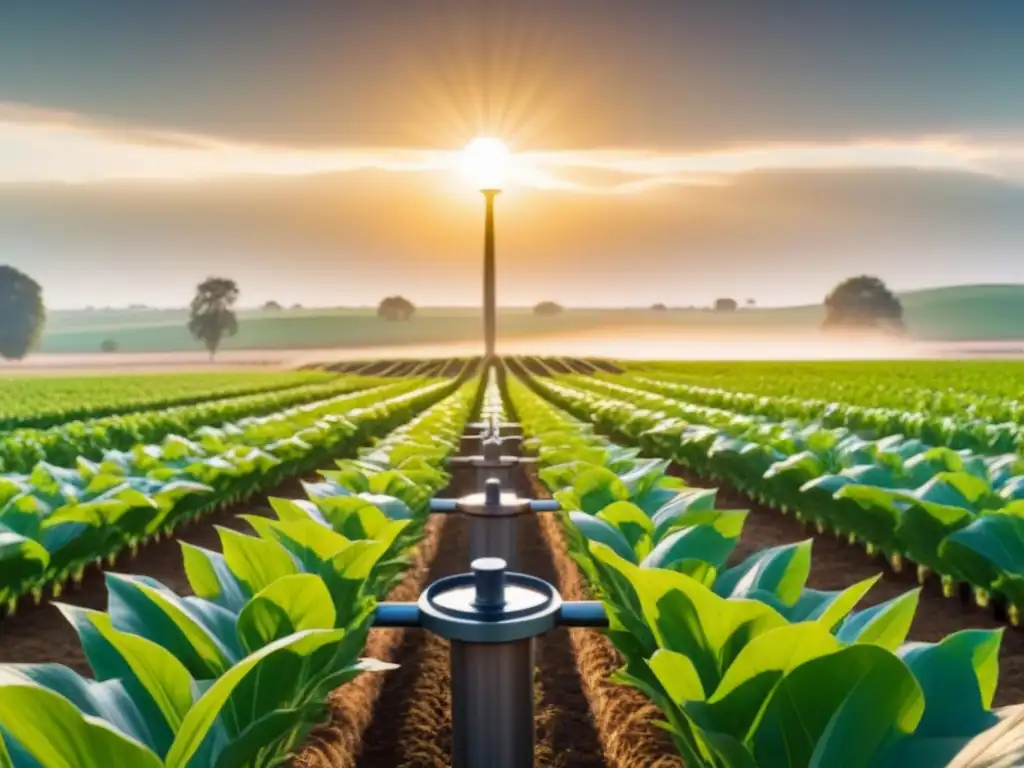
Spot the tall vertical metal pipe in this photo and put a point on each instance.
(490, 312)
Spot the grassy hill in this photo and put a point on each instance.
(956, 313)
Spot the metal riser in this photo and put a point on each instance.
(504, 475)
(494, 537)
(492, 704)
(504, 430)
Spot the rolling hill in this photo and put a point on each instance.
(955, 313)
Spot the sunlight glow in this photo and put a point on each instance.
(485, 162)
(40, 146)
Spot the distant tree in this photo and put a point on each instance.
(863, 302)
(548, 309)
(725, 305)
(296, 306)
(212, 315)
(22, 314)
(272, 306)
(751, 303)
(396, 308)
(659, 307)
(137, 307)
(108, 345)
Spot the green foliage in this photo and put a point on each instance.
(66, 442)
(943, 509)
(238, 673)
(863, 302)
(22, 314)
(39, 402)
(55, 521)
(211, 315)
(396, 308)
(748, 665)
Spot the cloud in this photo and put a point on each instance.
(40, 146)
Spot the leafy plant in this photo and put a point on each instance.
(239, 672)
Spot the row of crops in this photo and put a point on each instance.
(58, 518)
(954, 513)
(237, 673)
(43, 402)
(984, 389)
(21, 449)
(747, 664)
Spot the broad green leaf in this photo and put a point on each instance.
(162, 676)
(797, 718)
(204, 714)
(57, 735)
(210, 577)
(598, 487)
(886, 624)
(829, 608)
(883, 708)
(958, 676)
(702, 542)
(255, 562)
(159, 616)
(632, 523)
(596, 529)
(781, 571)
(759, 667)
(352, 516)
(688, 618)
(989, 546)
(309, 541)
(288, 605)
(678, 676)
(294, 509)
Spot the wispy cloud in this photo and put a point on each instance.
(44, 146)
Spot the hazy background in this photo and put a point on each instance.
(677, 153)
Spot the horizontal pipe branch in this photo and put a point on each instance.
(396, 615)
(545, 505)
(444, 505)
(583, 613)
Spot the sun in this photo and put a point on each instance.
(485, 162)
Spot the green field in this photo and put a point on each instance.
(980, 312)
(691, 494)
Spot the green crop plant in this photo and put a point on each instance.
(21, 449)
(40, 403)
(238, 673)
(892, 494)
(748, 665)
(56, 521)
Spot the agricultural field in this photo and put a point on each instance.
(780, 563)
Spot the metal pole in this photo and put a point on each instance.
(492, 704)
(492, 530)
(491, 617)
(490, 323)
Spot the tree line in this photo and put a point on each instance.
(862, 302)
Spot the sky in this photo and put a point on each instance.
(662, 151)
